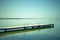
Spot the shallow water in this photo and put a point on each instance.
(44, 34)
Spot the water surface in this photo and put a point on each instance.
(43, 34)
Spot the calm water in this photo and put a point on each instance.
(43, 34)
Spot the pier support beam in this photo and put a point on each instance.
(32, 27)
(51, 25)
(5, 30)
(24, 28)
(38, 26)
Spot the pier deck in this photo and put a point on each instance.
(27, 27)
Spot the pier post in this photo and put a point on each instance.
(41, 26)
(38, 26)
(5, 30)
(32, 27)
(24, 28)
(51, 25)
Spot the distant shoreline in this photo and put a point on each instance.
(29, 18)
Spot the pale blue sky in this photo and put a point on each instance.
(29, 8)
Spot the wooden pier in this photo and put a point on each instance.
(25, 27)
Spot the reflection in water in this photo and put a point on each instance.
(21, 31)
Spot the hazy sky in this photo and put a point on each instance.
(29, 8)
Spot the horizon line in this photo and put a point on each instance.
(29, 18)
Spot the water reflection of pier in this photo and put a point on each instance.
(21, 31)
